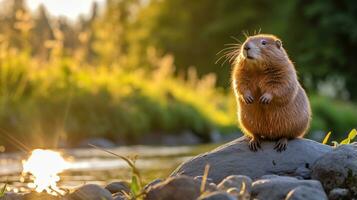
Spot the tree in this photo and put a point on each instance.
(328, 30)
(41, 32)
(194, 31)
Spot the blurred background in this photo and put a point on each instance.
(124, 72)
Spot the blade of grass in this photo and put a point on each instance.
(350, 137)
(352, 134)
(204, 178)
(243, 189)
(326, 138)
(2, 192)
(130, 163)
(136, 181)
(345, 141)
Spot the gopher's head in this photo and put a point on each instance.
(262, 48)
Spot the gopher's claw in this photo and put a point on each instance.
(248, 99)
(254, 144)
(266, 98)
(281, 145)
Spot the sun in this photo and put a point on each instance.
(45, 165)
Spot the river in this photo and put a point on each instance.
(90, 165)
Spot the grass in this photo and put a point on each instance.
(3, 189)
(351, 136)
(66, 100)
(136, 184)
(330, 114)
(204, 179)
(327, 137)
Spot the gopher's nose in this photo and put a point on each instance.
(246, 46)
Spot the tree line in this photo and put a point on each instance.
(320, 36)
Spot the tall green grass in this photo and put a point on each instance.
(43, 103)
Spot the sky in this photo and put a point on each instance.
(69, 8)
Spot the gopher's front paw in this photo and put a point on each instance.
(254, 144)
(248, 98)
(266, 98)
(281, 145)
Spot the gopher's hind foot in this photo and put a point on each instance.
(281, 145)
(254, 144)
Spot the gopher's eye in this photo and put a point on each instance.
(264, 42)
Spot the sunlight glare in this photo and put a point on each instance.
(45, 165)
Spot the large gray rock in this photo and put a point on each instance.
(90, 192)
(306, 193)
(235, 158)
(273, 187)
(177, 188)
(338, 168)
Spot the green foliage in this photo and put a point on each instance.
(66, 100)
(335, 23)
(194, 31)
(329, 114)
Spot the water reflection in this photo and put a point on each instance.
(95, 166)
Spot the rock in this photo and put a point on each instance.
(237, 193)
(208, 181)
(274, 187)
(237, 185)
(37, 196)
(303, 172)
(90, 192)
(152, 183)
(338, 168)
(119, 196)
(235, 181)
(119, 186)
(306, 193)
(12, 196)
(176, 188)
(236, 158)
(339, 194)
(218, 195)
(200, 178)
(99, 142)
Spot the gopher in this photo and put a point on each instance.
(272, 105)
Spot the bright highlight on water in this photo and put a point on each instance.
(45, 165)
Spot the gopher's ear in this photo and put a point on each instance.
(278, 43)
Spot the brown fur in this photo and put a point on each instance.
(288, 113)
